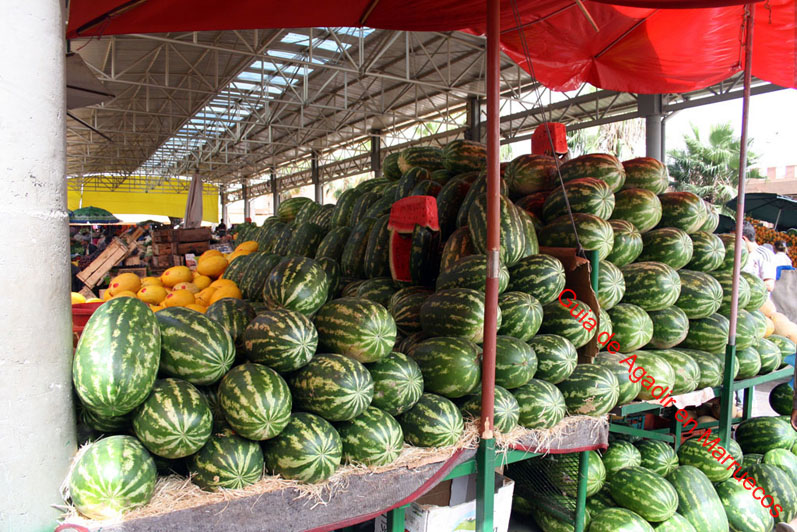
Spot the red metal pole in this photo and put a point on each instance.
(493, 217)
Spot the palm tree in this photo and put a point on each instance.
(711, 169)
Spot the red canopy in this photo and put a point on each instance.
(635, 49)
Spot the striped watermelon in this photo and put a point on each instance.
(778, 486)
(471, 272)
(405, 307)
(670, 327)
(408, 343)
(629, 389)
(175, 420)
(297, 283)
(254, 277)
(398, 383)
(113, 476)
(506, 409)
(650, 285)
(712, 218)
(362, 205)
(762, 434)
(409, 180)
(600, 501)
(427, 157)
(785, 460)
(556, 357)
(455, 312)
(620, 454)
(758, 293)
(694, 453)
(604, 326)
(464, 156)
(542, 405)
(574, 320)
(358, 328)
(333, 386)
(611, 285)
(658, 456)
(586, 195)
(527, 174)
(194, 347)
(563, 474)
(433, 421)
(306, 238)
(458, 245)
(697, 500)
(786, 345)
(533, 203)
(627, 243)
(669, 245)
(332, 245)
(686, 368)
(593, 233)
(644, 492)
(613, 519)
(515, 362)
(648, 173)
(282, 339)
(233, 314)
(332, 269)
(743, 511)
(256, 401)
(701, 294)
(541, 276)
(781, 397)
(771, 358)
(373, 438)
(449, 200)
(377, 290)
(513, 236)
(530, 227)
(657, 367)
(683, 210)
(708, 252)
(424, 256)
(309, 449)
(591, 390)
(451, 366)
(521, 315)
(227, 461)
(477, 190)
(352, 258)
(547, 522)
(117, 357)
(390, 166)
(212, 397)
(376, 262)
(749, 362)
(729, 240)
(632, 327)
(726, 281)
(639, 206)
(289, 208)
(601, 165)
(710, 367)
(121, 424)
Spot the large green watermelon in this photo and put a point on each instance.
(357, 328)
(515, 362)
(745, 514)
(697, 500)
(284, 340)
(632, 327)
(593, 233)
(542, 276)
(670, 327)
(628, 389)
(574, 319)
(527, 174)
(586, 195)
(658, 368)
(591, 390)
(433, 421)
(233, 314)
(683, 210)
(506, 409)
(639, 206)
(308, 449)
(620, 454)
(729, 240)
(707, 334)
(603, 166)
(455, 312)
(227, 461)
(627, 243)
(471, 272)
(778, 486)
(521, 315)
(611, 285)
(651, 285)
(373, 438)
(556, 357)
(762, 434)
(771, 359)
(669, 245)
(297, 283)
(686, 368)
(333, 386)
(114, 475)
(451, 366)
(398, 383)
(708, 252)
(726, 281)
(701, 294)
(541, 404)
(117, 357)
(758, 291)
(405, 307)
(513, 235)
(644, 492)
(658, 456)
(648, 173)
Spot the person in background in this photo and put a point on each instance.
(782, 254)
(761, 261)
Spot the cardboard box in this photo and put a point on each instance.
(460, 512)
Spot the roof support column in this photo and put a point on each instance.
(376, 152)
(316, 176)
(650, 107)
(247, 206)
(275, 195)
(224, 210)
(36, 379)
(474, 119)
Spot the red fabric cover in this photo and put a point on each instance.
(408, 212)
(637, 49)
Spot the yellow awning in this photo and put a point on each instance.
(154, 203)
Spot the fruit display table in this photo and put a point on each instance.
(352, 496)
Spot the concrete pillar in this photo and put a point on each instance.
(224, 210)
(247, 205)
(275, 195)
(316, 176)
(37, 422)
(650, 107)
(474, 119)
(376, 152)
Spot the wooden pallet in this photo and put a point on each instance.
(112, 255)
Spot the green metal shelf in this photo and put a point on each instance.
(788, 371)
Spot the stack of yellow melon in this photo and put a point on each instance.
(779, 323)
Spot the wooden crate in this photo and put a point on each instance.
(163, 235)
(196, 248)
(166, 248)
(140, 271)
(192, 235)
(116, 251)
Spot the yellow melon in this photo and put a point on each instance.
(770, 327)
(191, 287)
(202, 281)
(781, 323)
(152, 294)
(226, 291)
(210, 253)
(203, 297)
(197, 307)
(176, 274)
(125, 282)
(249, 245)
(77, 299)
(156, 308)
(218, 283)
(179, 298)
(212, 266)
(768, 308)
(106, 295)
(94, 300)
(237, 254)
(124, 293)
(146, 281)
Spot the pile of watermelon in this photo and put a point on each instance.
(329, 359)
(647, 486)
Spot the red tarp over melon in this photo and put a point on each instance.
(636, 49)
